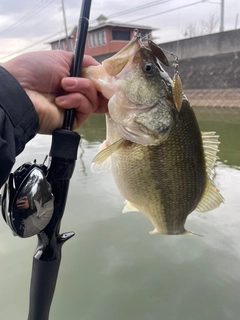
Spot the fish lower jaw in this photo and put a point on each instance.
(138, 136)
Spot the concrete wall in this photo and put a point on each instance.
(221, 71)
(208, 45)
(207, 62)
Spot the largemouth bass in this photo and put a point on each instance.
(160, 160)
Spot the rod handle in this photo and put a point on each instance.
(43, 283)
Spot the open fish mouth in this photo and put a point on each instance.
(142, 135)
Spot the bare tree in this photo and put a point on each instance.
(204, 27)
(192, 30)
(210, 24)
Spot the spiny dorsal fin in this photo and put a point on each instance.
(101, 162)
(212, 197)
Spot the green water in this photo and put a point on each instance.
(113, 269)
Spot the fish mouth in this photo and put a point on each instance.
(142, 135)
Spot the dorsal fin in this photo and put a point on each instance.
(210, 146)
(212, 197)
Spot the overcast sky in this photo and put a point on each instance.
(28, 25)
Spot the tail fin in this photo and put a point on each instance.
(185, 233)
(188, 233)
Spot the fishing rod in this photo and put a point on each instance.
(63, 154)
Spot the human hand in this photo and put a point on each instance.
(22, 203)
(44, 75)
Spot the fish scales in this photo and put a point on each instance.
(173, 178)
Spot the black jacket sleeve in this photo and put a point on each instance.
(18, 122)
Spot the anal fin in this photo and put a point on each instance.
(129, 207)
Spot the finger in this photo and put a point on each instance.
(83, 86)
(80, 103)
(21, 206)
(80, 118)
(77, 101)
(103, 104)
(89, 61)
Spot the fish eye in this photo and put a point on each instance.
(149, 69)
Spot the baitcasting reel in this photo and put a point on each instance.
(27, 200)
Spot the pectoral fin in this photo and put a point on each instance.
(101, 161)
